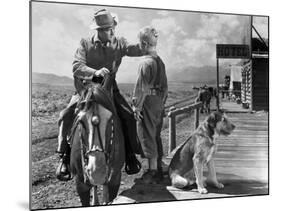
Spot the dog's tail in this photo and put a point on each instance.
(180, 146)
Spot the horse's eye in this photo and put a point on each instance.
(95, 120)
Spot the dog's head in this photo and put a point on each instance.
(219, 123)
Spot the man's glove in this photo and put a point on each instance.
(101, 72)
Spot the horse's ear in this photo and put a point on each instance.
(108, 78)
(106, 82)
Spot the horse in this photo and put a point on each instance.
(205, 96)
(97, 146)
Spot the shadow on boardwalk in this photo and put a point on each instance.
(236, 186)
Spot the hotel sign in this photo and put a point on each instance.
(233, 51)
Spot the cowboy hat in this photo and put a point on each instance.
(103, 19)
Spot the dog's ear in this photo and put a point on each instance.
(211, 121)
(214, 118)
(222, 111)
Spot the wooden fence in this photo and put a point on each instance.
(173, 112)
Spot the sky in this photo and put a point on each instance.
(185, 38)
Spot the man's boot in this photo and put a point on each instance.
(63, 170)
(132, 164)
(65, 123)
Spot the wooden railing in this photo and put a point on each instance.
(173, 112)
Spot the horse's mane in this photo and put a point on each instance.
(99, 95)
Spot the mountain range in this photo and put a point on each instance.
(51, 79)
(205, 74)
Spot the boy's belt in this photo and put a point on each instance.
(154, 92)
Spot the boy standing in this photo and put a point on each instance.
(149, 97)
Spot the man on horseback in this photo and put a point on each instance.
(94, 58)
(149, 97)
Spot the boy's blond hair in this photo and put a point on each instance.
(148, 35)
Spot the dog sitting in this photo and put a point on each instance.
(198, 150)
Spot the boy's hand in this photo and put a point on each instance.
(137, 114)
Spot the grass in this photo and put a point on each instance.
(47, 100)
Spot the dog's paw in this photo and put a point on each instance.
(219, 185)
(202, 190)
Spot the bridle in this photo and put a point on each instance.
(107, 149)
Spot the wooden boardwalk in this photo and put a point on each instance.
(241, 163)
(230, 106)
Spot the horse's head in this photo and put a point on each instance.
(97, 120)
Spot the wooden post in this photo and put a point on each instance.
(196, 117)
(172, 131)
(251, 70)
(218, 93)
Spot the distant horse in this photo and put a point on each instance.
(97, 152)
(205, 96)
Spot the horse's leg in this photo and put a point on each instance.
(113, 187)
(83, 192)
(95, 199)
(105, 194)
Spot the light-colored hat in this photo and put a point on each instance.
(103, 19)
(149, 35)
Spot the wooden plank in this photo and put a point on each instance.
(189, 99)
(244, 137)
(253, 128)
(196, 117)
(249, 155)
(184, 109)
(246, 123)
(246, 134)
(244, 145)
(172, 133)
(241, 163)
